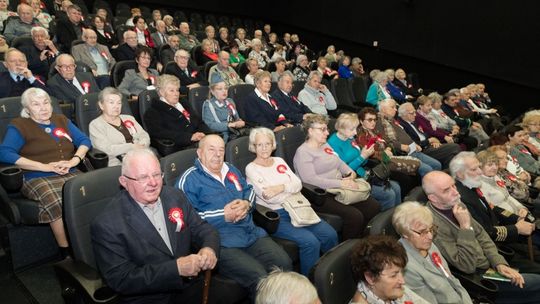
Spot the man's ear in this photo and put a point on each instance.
(123, 181)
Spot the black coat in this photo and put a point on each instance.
(63, 90)
(290, 106)
(185, 80)
(261, 113)
(9, 87)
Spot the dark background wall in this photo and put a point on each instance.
(448, 43)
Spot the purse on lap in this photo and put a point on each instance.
(348, 196)
(300, 210)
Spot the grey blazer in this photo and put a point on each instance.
(133, 83)
(81, 52)
(157, 40)
(428, 281)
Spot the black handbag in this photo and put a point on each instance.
(379, 175)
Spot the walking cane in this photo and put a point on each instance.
(206, 288)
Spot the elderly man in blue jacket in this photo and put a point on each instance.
(221, 195)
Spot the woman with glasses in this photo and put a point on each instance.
(142, 77)
(219, 112)
(115, 133)
(377, 264)
(48, 147)
(317, 164)
(388, 193)
(273, 182)
(366, 135)
(427, 272)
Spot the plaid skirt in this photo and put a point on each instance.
(48, 192)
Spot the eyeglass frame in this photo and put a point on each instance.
(433, 229)
(145, 178)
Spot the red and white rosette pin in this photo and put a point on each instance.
(186, 114)
(379, 139)
(355, 145)
(479, 192)
(231, 108)
(104, 54)
(107, 35)
(443, 115)
(234, 179)
(130, 125)
(194, 74)
(294, 98)
(524, 150)
(59, 133)
(176, 216)
(321, 99)
(512, 177)
(281, 169)
(152, 79)
(436, 259)
(500, 183)
(456, 111)
(281, 118)
(274, 103)
(86, 86)
(329, 150)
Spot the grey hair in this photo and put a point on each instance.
(108, 91)
(285, 74)
(300, 57)
(386, 102)
(263, 131)
(434, 97)
(256, 41)
(457, 164)
(285, 287)
(133, 154)
(313, 74)
(407, 214)
(37, 29)
(374, 73)
(403, 108)
(380, 77)
(29, 95)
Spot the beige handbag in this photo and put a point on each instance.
(351, 196)
(300, 210)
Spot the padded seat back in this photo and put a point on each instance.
(341, 89)
(298, 85)
(87, 109)
(145, 101)
(85, 197)
(332, 275)
(196, 98)
(238, 93)
(287, 141)
(119, 70)
(175, 164)
(238, 154)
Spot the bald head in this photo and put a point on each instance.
(441, 190)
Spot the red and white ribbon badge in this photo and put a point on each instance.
(456, 111)
(512, 177)
(176, 216)
(152, 79)
(501, 184)
(523, 150)
(329, 150)
(186, 114)
(281, 168)
(130, 125)
(234, 179)
(479, 192)
(438, 262)
(274, 103)
(355, 145)
(107, 35)
(38, 78)
(443, 115)
(281, 118)
(86, 86)
(321, 99)
(59, 133)
(194, 74)
(104, 54)
(231, 108)
(294, 98)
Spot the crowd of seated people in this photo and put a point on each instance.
(489, 198)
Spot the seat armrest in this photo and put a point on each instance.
(333, 220)
(79, 280)
(8, 208)
(98, 159)
(314, 194)
(164, 146)
(481, 289)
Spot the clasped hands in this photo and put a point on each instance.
(236, 210)
(191, 265)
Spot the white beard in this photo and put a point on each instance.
(471, 183)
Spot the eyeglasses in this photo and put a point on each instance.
(323, 129)
(370, 119)
(67, 66)
(183, 57)
(145, 178)
(424, 233)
